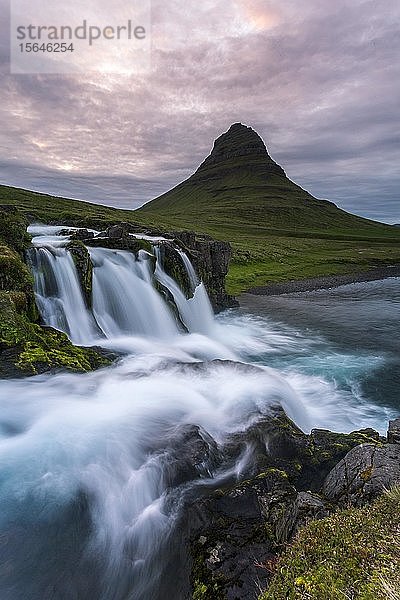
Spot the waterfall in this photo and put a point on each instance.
(126, 300)
(196, 312)
(58, 294)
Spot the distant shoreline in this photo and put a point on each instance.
(325, 282)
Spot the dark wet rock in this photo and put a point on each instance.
(174, 267)
(393, 434)
(193, 455)
(78, 234)
(275, 441)
(287, 512)
(231, 541)
(125, 242)
(84, 267)
(238, 529)
(210, 259)
(364, 473)
(116, 231)
(327, 449)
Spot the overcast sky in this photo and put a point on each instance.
(319, 81)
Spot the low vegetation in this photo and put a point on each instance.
(353, 554)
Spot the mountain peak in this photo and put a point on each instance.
(239, 148)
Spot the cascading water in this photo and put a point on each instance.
(58, 293)
(195, 312)
(95, 468)
(125, 301)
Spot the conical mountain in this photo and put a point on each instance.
(240, 185)
(239, 148)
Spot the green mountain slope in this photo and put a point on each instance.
(278, 230)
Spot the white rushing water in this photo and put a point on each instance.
(125, 301)
(91, 465)
(58, 293)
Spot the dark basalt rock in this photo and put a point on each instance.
(294, 513)
(174, 267)
(192, 456)
(84, 267)
(78, 234)
(238, 530)
(210, 259)
(393, 434)
(364, 473)
(229, 537)
(129, 243)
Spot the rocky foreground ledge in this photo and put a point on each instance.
(237, 532)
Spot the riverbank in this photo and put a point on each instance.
(326, 282)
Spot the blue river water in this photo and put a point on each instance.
(349, 336)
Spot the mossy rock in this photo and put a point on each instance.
(14, 274)
(174, 267)
(13, 225)
(28, 349)
(125, 242)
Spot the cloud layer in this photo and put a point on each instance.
(319, 81)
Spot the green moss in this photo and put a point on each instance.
(334, 446)
(13, 228)
(55, 351)
(272, 471)
(27, 348)
(207, 585)
(200, 591)
(351, 554)
(14, 274)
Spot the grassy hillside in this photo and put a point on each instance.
(277, 229)
(239, 194)
(47, 209)
(351, 554)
